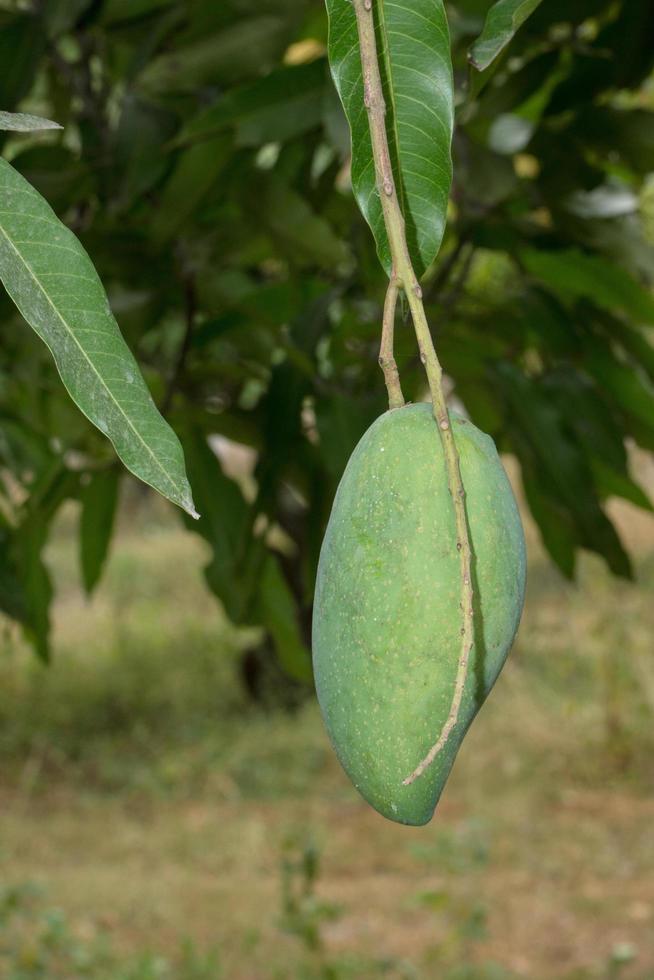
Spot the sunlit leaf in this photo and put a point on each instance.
(415, 63)
(22, 122)
(53, 283)
(502, 21)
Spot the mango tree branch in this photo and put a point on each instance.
(386, 355)
(403, 276)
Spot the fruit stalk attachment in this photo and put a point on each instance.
(386, 355)
(403, 277)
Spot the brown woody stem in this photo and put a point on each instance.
(403, 276)
(386, 355)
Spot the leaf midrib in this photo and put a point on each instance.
(71, 333)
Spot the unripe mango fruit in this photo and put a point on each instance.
(387, 613)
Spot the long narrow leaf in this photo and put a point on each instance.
(502, 21)
(414, 46)
(99, 499)
(53, 283)
(22, 122)
(286, 103)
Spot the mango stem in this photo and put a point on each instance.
(386, 356)
(403, 276)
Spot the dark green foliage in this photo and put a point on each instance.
(203, 166)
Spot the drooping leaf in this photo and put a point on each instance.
(284, 104)
(142, 129)
(559, 481)
(29, 543)
(196, 171)
(502, 21)
(625, 386)
(12, 596)
(415, 63)
(55, 286)
(55, 171)
(61, 15)
(279, 616)
(22, 43)
(115, 11)
(558, 531)
(23, 122)
(29, 538)
(597, 432)
(99, 498)
(613, 484)
(289, 218)
(245, 47)
(574, 274)
(226, 525)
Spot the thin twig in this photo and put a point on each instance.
(404, 276)
(180, 361)
(386, 355)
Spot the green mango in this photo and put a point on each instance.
(387, 615)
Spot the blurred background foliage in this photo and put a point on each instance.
(204, 165)
(155, 823)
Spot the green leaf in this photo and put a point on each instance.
(246, 47)
(226, 525)
(597, 432)
(53, 283)
(61, 16)
(99, 498)
(284, 104)
(557, 528)
(615, 484)
(12, 595)
(22, 122)
(502, 21)
(279, 616)
(415, 64)
(305, 236)
(30, 536)
(55, 171)
(114, 11)
(35, 579)
(632, 392)
(575, 274)
(139, 162)
(197, 169)
(558, 479)
(22, 43)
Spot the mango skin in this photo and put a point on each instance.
(387, 617)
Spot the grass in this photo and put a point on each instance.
(153, 824)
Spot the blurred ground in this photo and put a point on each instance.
(154, 825)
